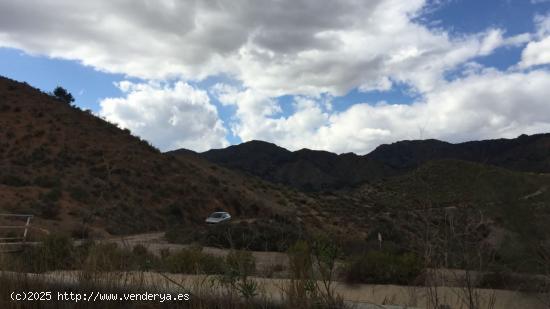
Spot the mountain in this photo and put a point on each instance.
(78, 173)
(304, 169)
(312, 170)
(524, 153)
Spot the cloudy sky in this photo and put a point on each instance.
(337, 75)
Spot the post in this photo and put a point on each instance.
(26, 228)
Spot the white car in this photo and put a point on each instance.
(218, 217)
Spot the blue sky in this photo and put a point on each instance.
(287, 84)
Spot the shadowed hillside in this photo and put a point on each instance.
(304, 169)
(525, 153)
(79, 173)
(312, 170)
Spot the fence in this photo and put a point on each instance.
(10, 243)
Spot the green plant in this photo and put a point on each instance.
(383, 268)
(275, 234)
(46, 181)
(193, 261)
(55, 253)
(63, 95)
(325, 253)
(301, 290)
(13, 180)
(239, 266)
(78, 193)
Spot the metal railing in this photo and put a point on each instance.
(13, 243)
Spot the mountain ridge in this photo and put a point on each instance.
(314, 170)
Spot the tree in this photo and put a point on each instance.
(63, 95)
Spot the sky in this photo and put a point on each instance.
(336, 75)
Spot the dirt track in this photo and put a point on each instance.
(361, 296)
(155, 242)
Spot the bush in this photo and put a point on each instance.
(49, 203)
(52, 196)
(63, 95)
(240, 262)
(81, 232)
(78, 193)
(111, 257)
(13, 180)
(55, 253)
(505, 280)
(239, 265)
(47, 181)
(383, 268)
(48, 210)
(193, 261)
(261, 235)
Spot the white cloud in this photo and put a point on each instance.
(172, 117)
(275, 47)
(538, 52)
(311, 49)
(542, 23)
(486, 105)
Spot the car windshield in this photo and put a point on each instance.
(217, 215)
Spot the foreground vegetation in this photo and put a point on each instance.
(315, 266)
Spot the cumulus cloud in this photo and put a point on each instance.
(303, 47)
(478, 106)
(538, 52)
(172, 117)
(312, 50)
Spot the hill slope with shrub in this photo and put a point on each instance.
(305, 169)
(312, 170)
(77, 172)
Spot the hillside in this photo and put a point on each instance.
(453, 208)
(312, 170)
(304, 169)
(524, 153)
(81, 174)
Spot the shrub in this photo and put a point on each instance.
(78, 193)
(241, 262)
(63, 95)
(506, 280)
(52, 196)
(81, 232)
(383, 268)
(55, 253)
(47, 181)
(49, 203)
(261, 235)
(193, 261)
(13, 180)
(111, 257)
(239, 265)
(48, 210)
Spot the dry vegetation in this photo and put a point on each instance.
(80, 174)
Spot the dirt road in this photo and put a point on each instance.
(361, 296)
(155, 242)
